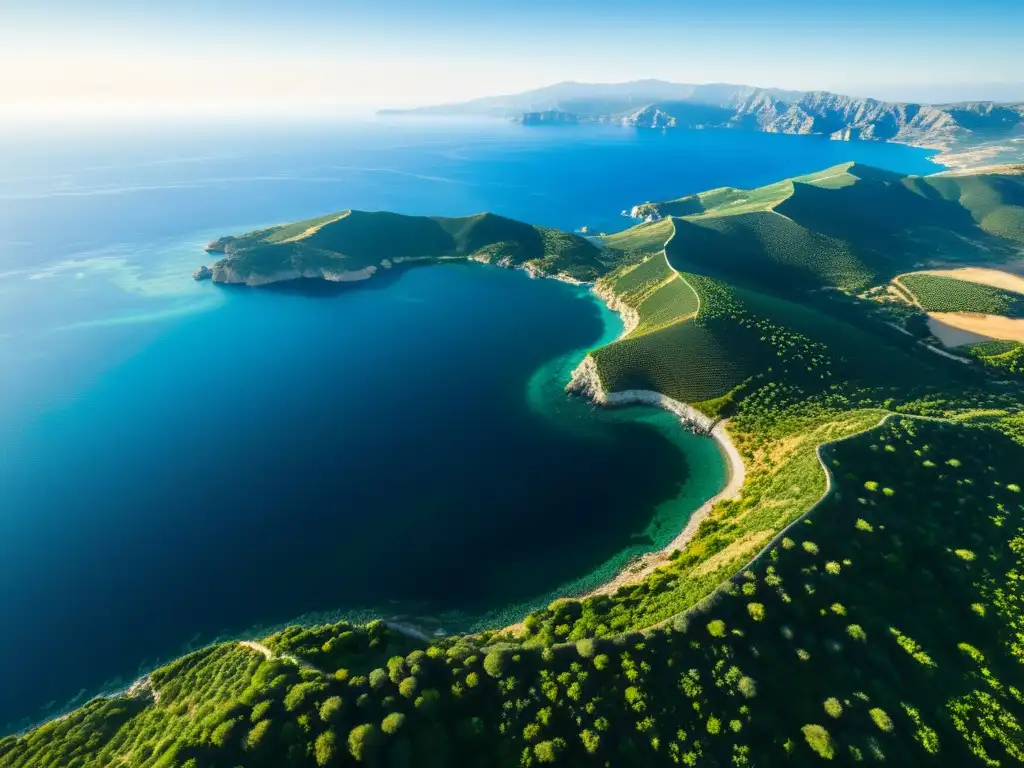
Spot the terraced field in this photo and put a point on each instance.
(945, 294)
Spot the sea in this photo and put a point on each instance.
(184, 462)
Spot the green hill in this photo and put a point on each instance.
(848, 227)
(352, 245)
(858, 601)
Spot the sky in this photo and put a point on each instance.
(68, 57)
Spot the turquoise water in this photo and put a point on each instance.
(182, 461)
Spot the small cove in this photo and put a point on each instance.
(399, 449)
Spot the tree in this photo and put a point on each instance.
(326, 747)
(856, 631)
(330, 709)
(362, 741)
(396, 669)
(223, 732)
(716, 628)
(586, 648)
(408, 687)
(392, 723)
(882, 720)
(819, 741)
(495, 663)
(378, 679)
(747, 686)
(548, 751)
(256, 735)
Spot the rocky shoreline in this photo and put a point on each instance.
(586, 382)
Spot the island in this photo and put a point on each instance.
(857, 599)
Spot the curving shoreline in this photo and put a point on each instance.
(586, 382)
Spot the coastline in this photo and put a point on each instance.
(585, 382)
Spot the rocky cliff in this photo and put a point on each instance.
(842, 117)
(655, 104)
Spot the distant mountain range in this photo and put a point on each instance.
(659, 104)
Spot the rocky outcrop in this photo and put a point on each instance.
(644, 212)
(650, 117)
(629, 315)
(222, 273)
(221, 245)
(203, 273)
(586, 382)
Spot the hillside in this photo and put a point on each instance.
(353, 245)
(859, 601)
(657, 104)
(847, 227)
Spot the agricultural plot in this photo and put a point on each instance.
(632, 283)
(673, 302)
(945, 294)
(641, 240)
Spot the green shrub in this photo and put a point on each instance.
(819, 741)
(325, 748)
(833, 708)
(716, 628)
(495, 663)
(363, 741)
(392, 723)
(881, 719)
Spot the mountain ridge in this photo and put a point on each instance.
(955, 126)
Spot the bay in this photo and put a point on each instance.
(182, 462)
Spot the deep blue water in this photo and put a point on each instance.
(179, 461)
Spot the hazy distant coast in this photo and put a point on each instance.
(967, 134)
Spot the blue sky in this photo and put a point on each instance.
(320, 53)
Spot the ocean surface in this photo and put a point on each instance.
(181, 461)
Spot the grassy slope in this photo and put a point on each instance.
(884, 626)
(847, 227)
(354, 240)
